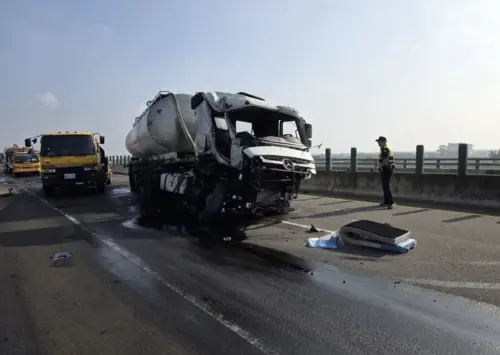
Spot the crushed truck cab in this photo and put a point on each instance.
(72, 159)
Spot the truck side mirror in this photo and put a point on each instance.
(196, 100)
(309, 130)
(309, 143)
(101, 139)
(27, 142)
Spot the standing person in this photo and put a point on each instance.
(386, 168)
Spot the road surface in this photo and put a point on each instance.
(129, 290)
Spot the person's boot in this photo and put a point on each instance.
(391, 206)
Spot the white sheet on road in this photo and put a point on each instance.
(336, 241)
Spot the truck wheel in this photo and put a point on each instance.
(101, 187)
(133, 182)
(48, 191)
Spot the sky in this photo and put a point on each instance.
(415, 71)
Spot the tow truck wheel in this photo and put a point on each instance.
(101, 187)
(48, 191)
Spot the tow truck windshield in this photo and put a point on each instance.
(25, 158)
(64, 145)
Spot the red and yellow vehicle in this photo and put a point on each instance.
(21, 160)
(25, 164)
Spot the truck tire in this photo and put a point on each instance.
(101, 187)
(132, 182)
(48, 191)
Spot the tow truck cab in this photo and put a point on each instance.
(72, 159)
(25, 164)
(9, 155)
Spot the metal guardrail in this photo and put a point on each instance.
(431, 165)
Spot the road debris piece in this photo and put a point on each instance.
(62, 259)
(313, 229)
(6, 181)
(329, 241)
(400, 248)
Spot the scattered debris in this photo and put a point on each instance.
(313, 229)
(9, 193)
(62, 259)
(6, 181)
(329, 241)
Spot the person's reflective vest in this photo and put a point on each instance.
(386, 152)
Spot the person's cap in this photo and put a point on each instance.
(381, 139)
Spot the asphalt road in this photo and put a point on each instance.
(457, 252)
(129, 290)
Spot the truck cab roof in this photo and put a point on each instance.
(228, 102)
(84, 133)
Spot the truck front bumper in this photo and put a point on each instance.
(61, 179)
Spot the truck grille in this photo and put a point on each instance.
(278, 158)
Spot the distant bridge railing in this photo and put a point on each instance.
(460, 165)
(430, 165)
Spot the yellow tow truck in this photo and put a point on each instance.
(25, 164)
(71, 160)
(21, 161)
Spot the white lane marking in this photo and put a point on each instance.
(304, 226)
(454, 284)
(136, 260)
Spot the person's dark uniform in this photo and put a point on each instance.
(386, 171)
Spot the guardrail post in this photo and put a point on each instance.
(419, 160)
(354, 159)
(462, 159)
(328, 159)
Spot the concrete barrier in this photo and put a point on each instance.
(119, 169)
(470, 190)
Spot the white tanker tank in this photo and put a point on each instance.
(167, 125)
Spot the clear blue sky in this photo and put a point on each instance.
(415, 71)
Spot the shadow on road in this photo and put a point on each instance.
(341, 212)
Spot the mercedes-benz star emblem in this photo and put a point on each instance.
(288, 164)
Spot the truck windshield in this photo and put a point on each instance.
(267, 124)
(74, 144)
(25, 158)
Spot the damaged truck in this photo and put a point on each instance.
(218, 159)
